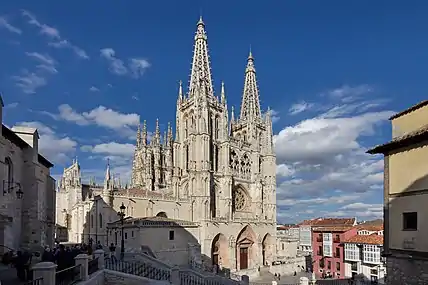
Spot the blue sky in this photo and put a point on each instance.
(86, 72)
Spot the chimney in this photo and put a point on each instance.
(31, 137)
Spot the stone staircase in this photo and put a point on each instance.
(141, 264)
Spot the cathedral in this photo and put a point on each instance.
(217, 170)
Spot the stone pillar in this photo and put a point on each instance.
(175, 275)
(45, 270)
(313, 280)
(245, 279)
(99, 253)
(82, 260)
(304, 281)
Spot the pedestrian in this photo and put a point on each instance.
(112, 249)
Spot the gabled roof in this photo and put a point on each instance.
(410, 138)
(374, 239)
(321, 222)
(16, 140)
(409, 110)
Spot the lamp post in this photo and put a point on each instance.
(121, 215)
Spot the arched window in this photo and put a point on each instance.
(92, 221)
(100, 220)
(162, 215)
(9, 173)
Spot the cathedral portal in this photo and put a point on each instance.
(246, 248)
(219, 251)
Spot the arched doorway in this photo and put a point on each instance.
(219, 251)
(267, 250)
(162, 214)
(246, 249)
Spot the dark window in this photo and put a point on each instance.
(410, 221)
(338, 266)
(171, 235)
(329, 265)
(101, 220)
(126, 235)
(132, 234)
(337, 252)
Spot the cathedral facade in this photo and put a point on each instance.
(215, 170)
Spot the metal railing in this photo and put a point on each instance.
(93, 266)
(68, 276)
(139, 269)
(38, 281)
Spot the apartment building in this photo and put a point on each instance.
(328, 254)
(406, 196)
(363, 254)
(305, 230)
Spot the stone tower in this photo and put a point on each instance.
(226, 168)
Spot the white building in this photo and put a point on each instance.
(216, 172)
(363, 254)
(27, 200)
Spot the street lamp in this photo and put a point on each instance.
(121, 215)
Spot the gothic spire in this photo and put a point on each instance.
(138, 135)
(157, 137)
(180, 91)
(250, 106)
(144, 133)
(201, 68)
(169, 135)
(222, 94)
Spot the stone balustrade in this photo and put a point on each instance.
(46, 273)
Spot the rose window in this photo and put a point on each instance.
(240, 200)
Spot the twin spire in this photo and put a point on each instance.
(200, 76)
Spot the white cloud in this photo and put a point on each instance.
(362, 210)
(54, 35)
(112, 149)
(117, 66)
(11, 105)
(29, 82)
(94, 89)
(54, 147)
(136, 66)
(6, 25)
(325, 153)
(300, 107)
(46, 62)
(101, 116)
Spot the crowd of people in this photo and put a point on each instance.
(61, 254)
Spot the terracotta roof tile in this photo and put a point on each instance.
(366, 239)
(371, 228)
(333, 229)
(321, 222)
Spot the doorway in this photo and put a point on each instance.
(243, 258)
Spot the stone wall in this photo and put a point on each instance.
(289, 267)
(406, 271)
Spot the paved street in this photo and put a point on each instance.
(267, 278)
